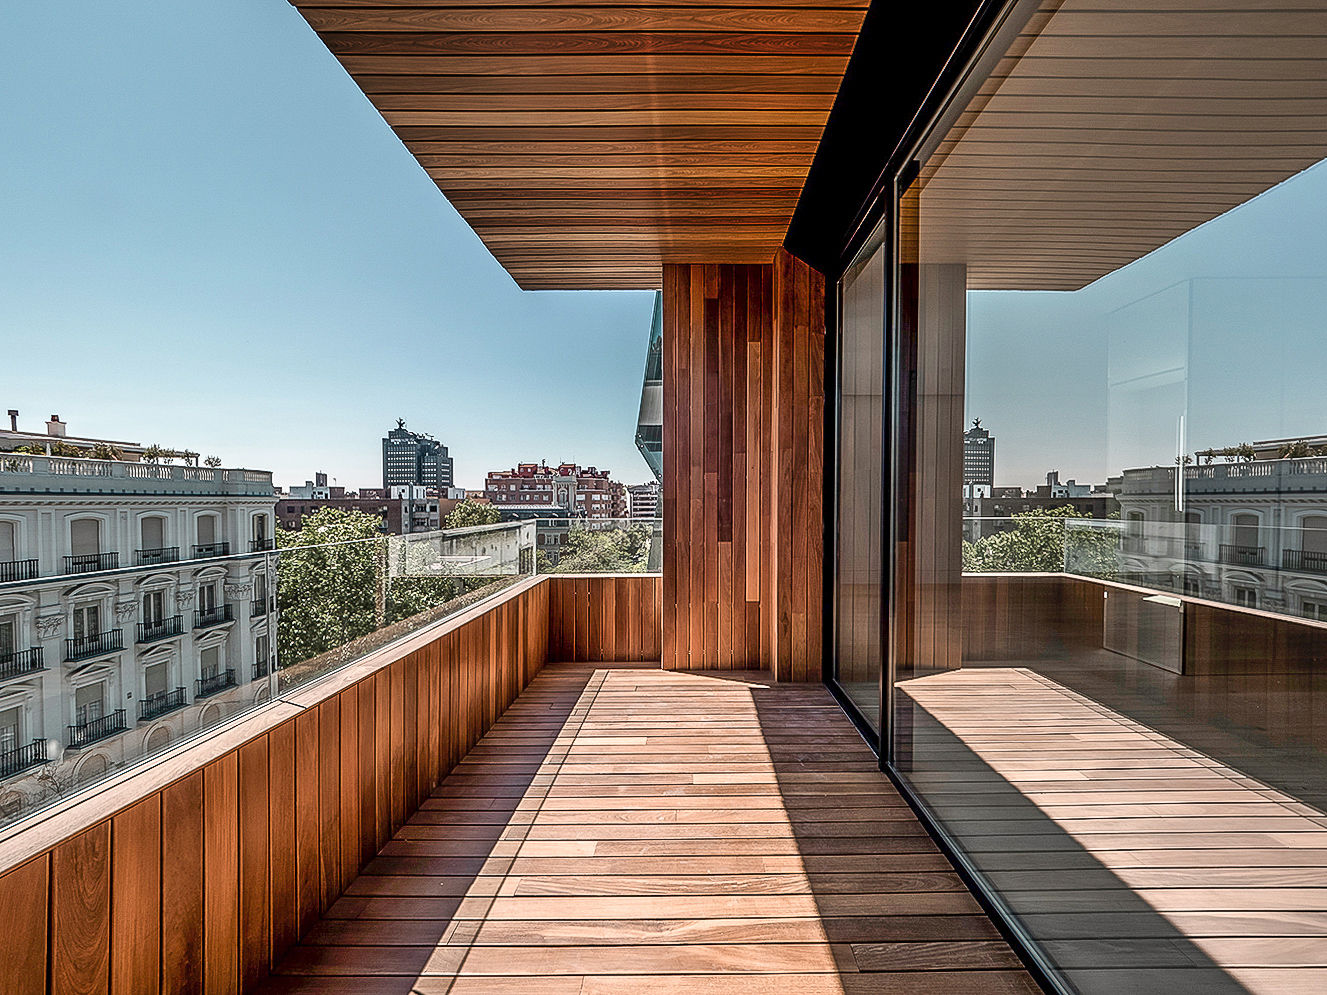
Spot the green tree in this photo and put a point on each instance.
(1299, 449)
(330, 582)
(615, 550)
(468, 514)
(1042, 541)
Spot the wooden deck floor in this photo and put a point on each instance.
(624, 829)
(1140, 863)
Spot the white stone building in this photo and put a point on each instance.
(137, 603)
(643, 500)
(1247, 533)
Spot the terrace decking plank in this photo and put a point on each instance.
(628, 828)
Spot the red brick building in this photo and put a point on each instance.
(566, 490)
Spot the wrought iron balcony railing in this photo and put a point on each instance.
(203, 551)
(163, 554)
(94, 729)
(85, 647)
(213, 616)
(19, 663)
(1242, 556)
(159, 704)
(214, 683)
(261, 545)
(15, 761)
(160, 628)
(85, 563)
(261, 606)
(18, 570)
(260, 670)
(1306, 560)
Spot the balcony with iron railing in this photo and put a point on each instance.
(260, 669)
(216, 615)
(94, 644)
(261, 606)
(21, 663)
(12, 570)
(151, 557)
(207, 550)
(210, 684)
(82, 563)
(160, 628)
(24, 757)
(1304, 560)
(1241, 555)
(93, 730)
(261, 545)
(161, 703)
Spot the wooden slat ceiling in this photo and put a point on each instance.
(589, 144)
(1111, 129)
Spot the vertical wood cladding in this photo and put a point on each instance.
(201, 885)
(620, 616)
(743, 411)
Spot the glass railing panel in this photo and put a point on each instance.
(289, 612)
(599, 545)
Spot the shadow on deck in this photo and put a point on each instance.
(623, 828)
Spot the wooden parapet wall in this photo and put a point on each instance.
(604, 618)
(1035, 616)
(197, 872)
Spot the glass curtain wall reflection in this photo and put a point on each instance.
(1107, 659)
(857, 580)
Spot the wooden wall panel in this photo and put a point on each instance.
(182, 909)
(625, 609)
(283, 839)
(80, 916)
(221, 864)
(23, 954)
(205, 880)
(1026, 616)
(743, 468)
(136, 898)
(255, 828)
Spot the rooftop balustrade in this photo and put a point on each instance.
(22, 473)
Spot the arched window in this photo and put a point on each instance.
(8, 542)
(85, 537)
(1245, 529)
(1313, 534)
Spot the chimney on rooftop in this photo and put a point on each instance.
(13, 420)
(55, 427)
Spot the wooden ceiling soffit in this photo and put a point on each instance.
(588, 145)
(1111, 129)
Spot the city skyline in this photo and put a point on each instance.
(256, 268)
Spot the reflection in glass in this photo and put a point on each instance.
(857, 657)
(1120, 228)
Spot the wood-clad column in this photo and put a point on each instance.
(927, 597)
(743, 414)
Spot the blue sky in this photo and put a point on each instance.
(209, 238)
(1225, 326)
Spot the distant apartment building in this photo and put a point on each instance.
(412, 459)
(404, 508)
(994, 513)
(1250, 533)
(136, 604)
(643, 500)
(563, 490)
(555, 495)
(979, 458)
